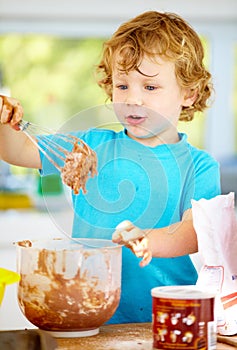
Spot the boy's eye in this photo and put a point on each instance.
(122, 87)
(150, 87)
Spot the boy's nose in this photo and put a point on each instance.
(134, 98)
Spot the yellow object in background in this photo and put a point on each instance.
(7, 277)
(12, 200)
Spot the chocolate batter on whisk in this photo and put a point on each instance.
(80, 163)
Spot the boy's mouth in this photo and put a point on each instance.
(134, 119)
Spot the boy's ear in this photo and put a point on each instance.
(190, 97)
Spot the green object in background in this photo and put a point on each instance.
(50, 185)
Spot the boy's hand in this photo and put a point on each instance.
(135, 239)
(11, 111)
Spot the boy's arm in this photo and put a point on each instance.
(175, 240)
(15, 146)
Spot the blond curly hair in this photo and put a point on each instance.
(166, 34)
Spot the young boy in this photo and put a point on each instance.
(152, 70)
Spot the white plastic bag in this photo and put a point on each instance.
(216, 226)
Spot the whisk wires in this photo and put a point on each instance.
(75, 163)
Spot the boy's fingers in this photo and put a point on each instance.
(5, 111)
(135, 239)
(10, 110)
(128, 232)
(141, 250)
(17, 114)
(116, 237)
(146, 259)
(1, 104)
(6, 114)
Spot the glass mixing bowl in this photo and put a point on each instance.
(66, 288)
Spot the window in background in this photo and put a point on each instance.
(195, 128)
(53, 78)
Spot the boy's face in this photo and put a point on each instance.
(148, 101)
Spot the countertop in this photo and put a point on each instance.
(134, 336)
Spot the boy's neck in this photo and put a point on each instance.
(166, 137)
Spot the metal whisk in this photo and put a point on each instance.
(32, 130)
(75, 165)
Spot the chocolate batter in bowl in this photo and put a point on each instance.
(68, 289)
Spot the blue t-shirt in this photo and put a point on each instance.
(151, 187)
